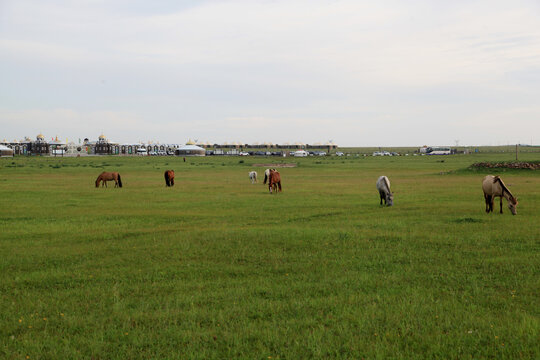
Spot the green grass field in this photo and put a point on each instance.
(218, 268)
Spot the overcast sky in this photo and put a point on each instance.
(360, 73)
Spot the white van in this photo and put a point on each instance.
(300, 153)
(142, 151)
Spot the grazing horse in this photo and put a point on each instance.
(266, 174)
(493, 186)
(108, 176)
(169, 177)
(274, 181)
(253, 176)
(383, 185)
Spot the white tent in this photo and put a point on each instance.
(6, 152)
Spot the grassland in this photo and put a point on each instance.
(218, 268)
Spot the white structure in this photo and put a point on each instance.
(191, 150)
(300, 153)
(6, 152)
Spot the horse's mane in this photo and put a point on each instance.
(387, 183)
(503, 186)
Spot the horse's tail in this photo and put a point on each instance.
(279, 185)
(265, 178)
(171, 180)
(167, 181)
(119, 181)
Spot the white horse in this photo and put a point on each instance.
(383, 185)
(266, 175)
(493, 186)
(253, 177)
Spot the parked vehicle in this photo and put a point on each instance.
(438, 151)
(300, 153)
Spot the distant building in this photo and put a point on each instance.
(190, 150)
(18, 147)
(6, 151)
(39, 146)
(105, 147)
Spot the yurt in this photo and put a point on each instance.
(5, 151)
(190, 150)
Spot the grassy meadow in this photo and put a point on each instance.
(215, 267)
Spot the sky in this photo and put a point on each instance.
(358, 73)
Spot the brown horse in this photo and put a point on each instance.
(169, 177)
(108, 176)
(274, 181)
(493, 186)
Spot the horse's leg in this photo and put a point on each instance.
(501, 205)
(487, 200)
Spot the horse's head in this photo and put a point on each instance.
(389, 199)
(512, 204)
(97, 182)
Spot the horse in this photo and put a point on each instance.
(169, 177)
(274, 181)
(253, 176)
(383, 185)
(108, 176)
(493, 186)
(267, 174)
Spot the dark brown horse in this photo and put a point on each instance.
(274, 181)
(169, 177)
(108, 176)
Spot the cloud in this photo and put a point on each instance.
(207, 68)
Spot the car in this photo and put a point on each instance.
(378, 153)
(339, 153)
(243, 153)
